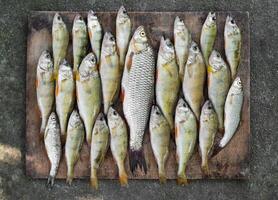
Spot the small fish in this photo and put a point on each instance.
(218, 85)
(60, 41)
(123, 34)
(167, 81)
(45, 87)
(182, 41)
(88, 92)
(79, 41)
(118, 142)
(95, 33)
(208, 129)
(160, 137)
(194, 79)
(65, 96)
(208, 35)
(185, 137)
(233, 106)
(53, 146)
(139, 96)
(232, 37)
(100, 137)
(109, 70)
(74, 142)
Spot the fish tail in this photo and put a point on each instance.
(106, 107)
(161, 173)
(137, 159)
(69, 176)
(205, 168)
(94, 179)
(43, 125)
(50, 181)
(88, 134)
(182, 180)
(123, 178)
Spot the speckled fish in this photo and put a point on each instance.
(88, 92)
(194, 79)
(53, 146)
(45, 86)
(233, 106)
(60, 41)
(123, 33)
(139, 96)
(95, 33)
(185, 138)
(100, 137)
(232, 37)
(208, 35)
(65, 96)
(167, 81)
(79, 41)
(74, 142)
(182, 41)
(207, 131)
(160, 138)
(218, 85)
(110, 72)
(118, 142)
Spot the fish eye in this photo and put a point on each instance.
(80, 18)
(218, 55)
(59, 18)
(114, 113)
(232, 21)
(111, 39)
(124, 12)
(142, 34)
(47, 56)
(195, 48)
(213, 18)
(184, 105)
(209, 107)
(157, 113)
(93, 59)
(101, 118)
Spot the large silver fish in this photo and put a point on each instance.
(233, 106)
(53, 146)
(139, 96)
(45, 87)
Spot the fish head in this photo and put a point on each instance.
(237, 86)
(75, 119)
(108, 44)
(231, 27)
(100, 123)
(216, 61)
(93, 20)
(194, 51)
(58, 22)
(140, 40)
(211, 20)
(65, 70)
(179, 27)
(166, 49)
(157, 116)
(114, 118)
(208, 108)
(79, 23)
(45, 63)
(52, 122)
(122, 16)
(90, 62)
(182, 110)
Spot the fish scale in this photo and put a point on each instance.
(139, 96)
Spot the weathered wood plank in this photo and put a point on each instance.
(231, 162)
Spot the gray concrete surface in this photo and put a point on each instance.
(264, 95)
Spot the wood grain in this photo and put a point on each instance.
(231, 163)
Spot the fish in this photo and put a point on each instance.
(74, 142)
(118, 142)
(160, 137)
(232, 112)
(52, 142)
(182, 41)
(123, 34)
(79, 41)
(95, 33)
(208, 35)
(207, 132)
(60, 41)
(65, 96)
(109, 70)
(45, 88)
(185, 137)
(219, 78)
(194, 79)
(232, 43)
(100, 143)
(88, 93)
(167, 81)
(139, 96)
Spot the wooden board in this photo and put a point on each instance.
(232, 162)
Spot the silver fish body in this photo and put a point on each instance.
(233, 106)
(53, 146)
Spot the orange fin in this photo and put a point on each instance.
(129, 61)
(57, 89)
(122, 95)
(94, 183)
(182, 180)
(37, 83)
(123, 178)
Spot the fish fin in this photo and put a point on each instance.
(182, 180)
(50, 182)
(76, 75)
(57, 89)
(129, 61)
(123, 178)
(90, 33)
(94, 182)
(205, 169)
(122, 95)
(69, 180)
(216, 146)
(37, 83)
(166, 67)
(137, 159)
(162, 178)
(176, 131)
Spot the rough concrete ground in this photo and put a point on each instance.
(264, 95)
